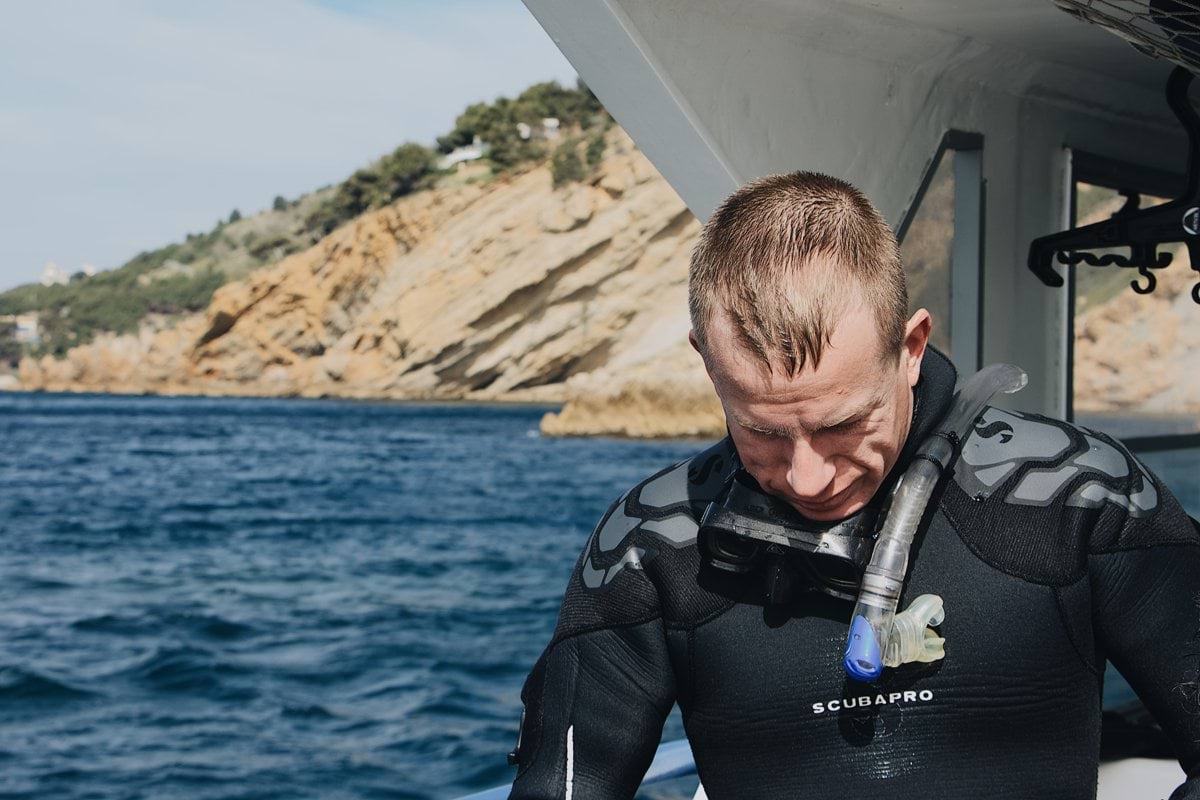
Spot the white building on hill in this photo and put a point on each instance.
(54, 274)
(27, 331)
(548, 129)
(469, 152)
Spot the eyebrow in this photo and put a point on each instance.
(834, 422)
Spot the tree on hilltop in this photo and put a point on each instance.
(10, 348)
(398, 173)
(549, 99)
(496, 123)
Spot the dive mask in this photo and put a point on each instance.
(745, 529)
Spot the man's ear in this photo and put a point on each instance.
(916, 339)
(695, 343)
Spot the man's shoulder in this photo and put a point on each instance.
(1025, 459)
(692, 482)
(640, 561)
(1034, 496)
(667, 505)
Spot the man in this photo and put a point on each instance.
(1052, 547)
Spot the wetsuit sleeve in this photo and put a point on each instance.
(596, 700)
(1144, 567)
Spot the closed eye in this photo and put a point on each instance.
(848, 425)
(766, 433)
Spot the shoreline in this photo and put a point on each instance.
(1120, 424)
(500, 405)
(426, 403)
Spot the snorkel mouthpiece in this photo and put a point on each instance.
(863, 661)
(879, 636)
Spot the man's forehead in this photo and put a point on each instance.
(785, 406)
(804, 398)
(849, 364)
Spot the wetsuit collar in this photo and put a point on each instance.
(932, 397)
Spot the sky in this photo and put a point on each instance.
(126, 125)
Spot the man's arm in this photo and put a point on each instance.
(1145, 576)
(597, 698)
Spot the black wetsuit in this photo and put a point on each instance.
(1053, 549)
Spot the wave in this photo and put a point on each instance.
(190, 670)
(31, 583)
(200, 625)
(21, 685)
(309, 711)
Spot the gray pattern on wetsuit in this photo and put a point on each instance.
(711, 474)
(676, 530)
(595, 578)
(1113, 462)
(1000, 444)
(1138, 504)
(617, 526)
(1041, 485)
(667, 489)
(990, 476)
(1003, 442)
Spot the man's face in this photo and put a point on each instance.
(825, 439)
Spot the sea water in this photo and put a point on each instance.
(241, 598)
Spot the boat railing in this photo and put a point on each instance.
(673, 760)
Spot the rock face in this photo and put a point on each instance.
(665, 396)
(511, 290)
(514, 290)
(1135, 353)
(1141, 352)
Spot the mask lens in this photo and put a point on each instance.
(833, 573)
(729, 552)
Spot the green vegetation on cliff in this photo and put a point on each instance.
(116, 301)
(181, 277)
(497, 123)
(409, 167)
(10, 348)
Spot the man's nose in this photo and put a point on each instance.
(810, 472)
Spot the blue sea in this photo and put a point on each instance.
(245, 598)
(220, 599)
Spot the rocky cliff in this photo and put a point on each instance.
(514, 290)
(1135, 353)
(510, 290)
(1141, 352)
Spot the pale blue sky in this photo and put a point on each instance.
(125, 125)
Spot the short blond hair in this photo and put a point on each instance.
(781, 258)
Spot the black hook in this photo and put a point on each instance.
(1151, 281)
(1196, 293)
(1140, 230)
(1147, 255)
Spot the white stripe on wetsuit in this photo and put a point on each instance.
(570, 761)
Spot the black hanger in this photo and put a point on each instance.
(1140, 230)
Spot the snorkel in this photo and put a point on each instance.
(879, 636)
